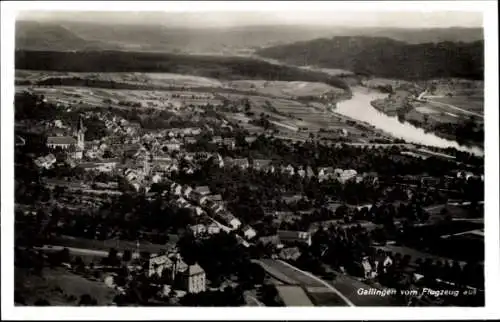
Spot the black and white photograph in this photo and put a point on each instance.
(250, 158)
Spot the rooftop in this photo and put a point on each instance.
(291, 234)
(203, 190)
(61, 140)
(195, 270)
(217, 197)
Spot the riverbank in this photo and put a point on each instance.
(444, 121)
(360, 107)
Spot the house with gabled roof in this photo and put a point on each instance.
(250, 139)
(290, 236)
(213, 229)
(46, 162)
(240, 163)
(63, 142)
(261, 164)
(202, 190)
(229, 143)
(217, 139)
(216, 198)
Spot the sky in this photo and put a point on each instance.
(421, 19)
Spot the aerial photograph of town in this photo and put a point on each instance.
(230, 159)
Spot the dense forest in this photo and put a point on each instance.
(386, 57)
(228, 68)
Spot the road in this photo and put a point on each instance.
(79, 251)
(292, 275)
(454, 107)
(435, 207)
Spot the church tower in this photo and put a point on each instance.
(80, 135)
(80, 139)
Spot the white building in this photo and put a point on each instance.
(194, 279)
(249, 232)
(157, 264)
(213, 229)
(198, 230)
(46, 162)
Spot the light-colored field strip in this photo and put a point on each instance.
(331, 288)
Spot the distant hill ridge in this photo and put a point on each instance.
(33, 35)
(78, 35)
(385, 57)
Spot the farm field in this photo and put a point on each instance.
(295, 120)
(293, 295)
(106, 245)
(82, 96)
(431, 114)
(292, 274)
(153, 79)
(275, 272)
(284, 89)
(455, 86)
(325, 299)
(331, 71)
(469, 103)
(456, 211)
(57, 285)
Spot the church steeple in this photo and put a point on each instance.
(80, 134)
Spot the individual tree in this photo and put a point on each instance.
(127, 255)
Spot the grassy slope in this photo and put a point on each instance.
(32, 287)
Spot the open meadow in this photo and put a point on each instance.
(59, 287)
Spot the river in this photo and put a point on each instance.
(359, 108)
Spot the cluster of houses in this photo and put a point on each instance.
(202, 202)
(120, 126)
(341, 175)
(373, 266)
(287, 242)
(323, 173)
(167, 270)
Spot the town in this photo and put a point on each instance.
(249, 166)
(206, 213)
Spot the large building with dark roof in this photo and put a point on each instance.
(67, 142)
